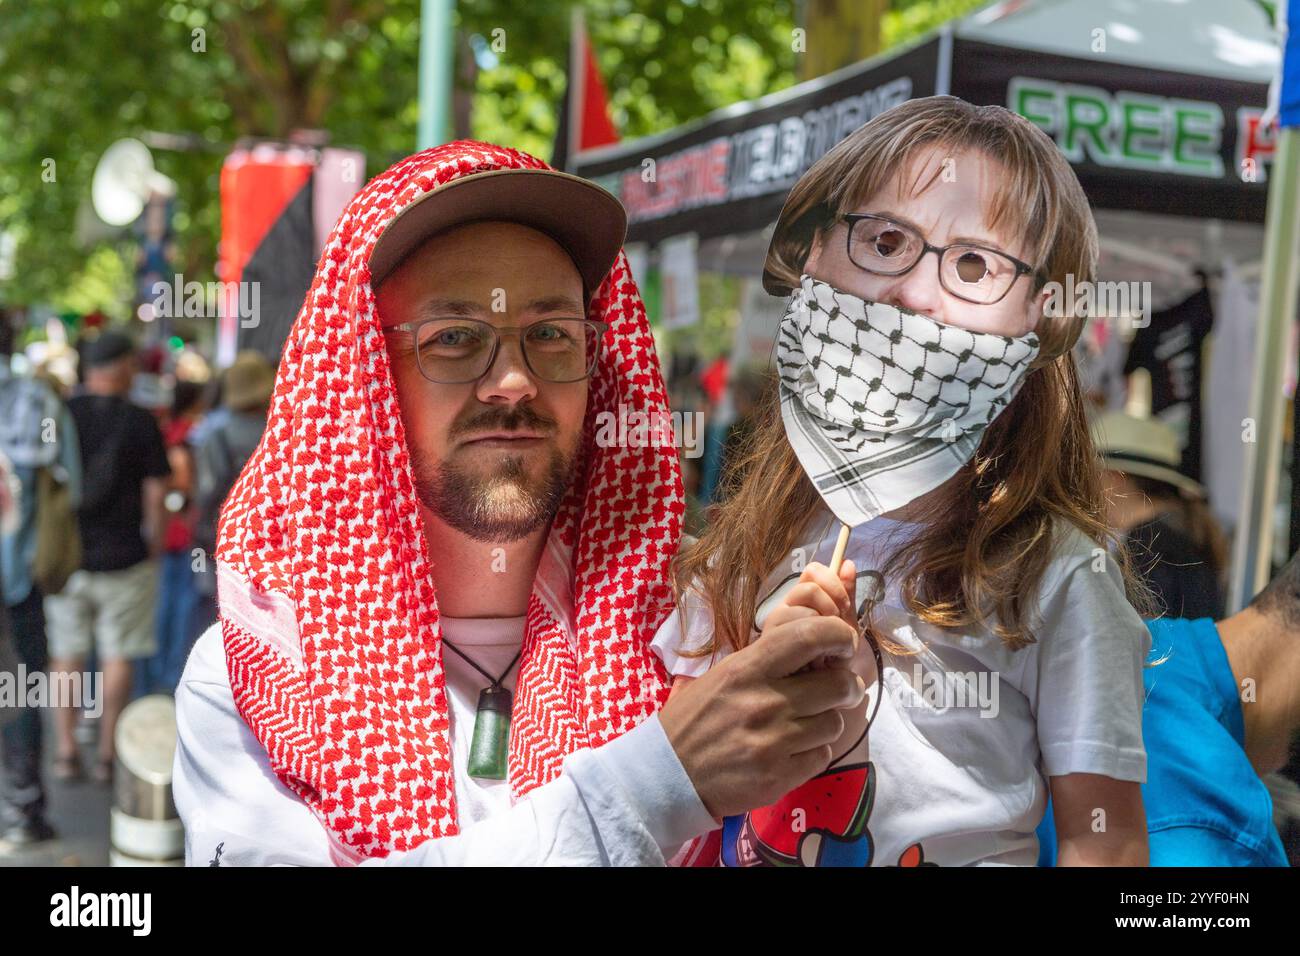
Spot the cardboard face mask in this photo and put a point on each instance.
(883, 405)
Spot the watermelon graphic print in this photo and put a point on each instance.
(822, 823)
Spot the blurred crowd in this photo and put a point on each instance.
(114, 462)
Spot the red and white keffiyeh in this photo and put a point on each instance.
(327, 604)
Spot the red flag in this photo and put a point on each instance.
(584, 112)
(595, 127)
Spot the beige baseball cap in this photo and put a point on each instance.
(1142, 446)
(587, 221)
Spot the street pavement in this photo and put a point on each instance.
(78, 811)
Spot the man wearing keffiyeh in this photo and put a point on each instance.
(437, 588)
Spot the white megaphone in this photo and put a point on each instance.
(124, 180)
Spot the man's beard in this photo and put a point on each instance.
(501, 506)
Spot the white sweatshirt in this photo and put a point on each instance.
(627, 803)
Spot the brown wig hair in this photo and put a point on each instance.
(986, 537)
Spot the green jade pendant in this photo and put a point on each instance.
(491, 741)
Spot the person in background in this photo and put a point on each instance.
(1222, 709)
(36, 432)
(229, 438)
(109, 603)
(10, 709)
(1162, 514)
(216, 412)
(746, 392)
(694, 521)
(178, 592)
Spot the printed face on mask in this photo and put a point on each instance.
(491, 457)
(951, 209)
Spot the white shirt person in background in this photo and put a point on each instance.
(437, 590)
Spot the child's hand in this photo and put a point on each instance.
(819, 592)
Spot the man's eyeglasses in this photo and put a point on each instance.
(972, 272)
(456, 351)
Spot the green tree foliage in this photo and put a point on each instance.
(76, 75)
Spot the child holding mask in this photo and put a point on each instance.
(924, 392)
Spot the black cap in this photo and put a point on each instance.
(106, 348)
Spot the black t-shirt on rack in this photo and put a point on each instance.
(1170, 349)
(121, 445)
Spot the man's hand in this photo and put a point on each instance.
(753, 727)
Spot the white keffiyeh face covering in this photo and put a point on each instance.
(882, 405)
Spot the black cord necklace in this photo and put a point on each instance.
(491, 741)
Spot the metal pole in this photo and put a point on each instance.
(1253, 545)
(574, 90)
(437, 66)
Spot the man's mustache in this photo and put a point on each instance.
(520, 418)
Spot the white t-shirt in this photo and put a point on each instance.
(967, 729)
(628, 802)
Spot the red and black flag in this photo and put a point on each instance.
(278, 204)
